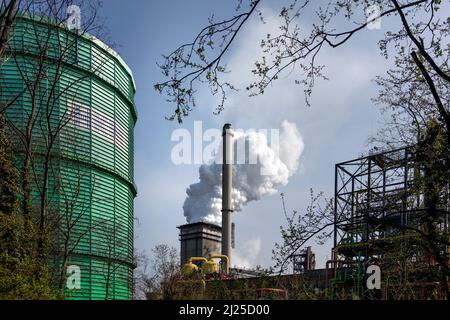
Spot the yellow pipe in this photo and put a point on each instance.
(223, 257)
(192, 259)
(189, 267)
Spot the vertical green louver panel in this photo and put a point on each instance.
(93, 156)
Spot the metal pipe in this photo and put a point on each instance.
(192, 259)
(227, 181)
(223, 258)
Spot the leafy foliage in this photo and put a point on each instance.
(22, 276)
(158, 279)
(9, 190)
(315, 224)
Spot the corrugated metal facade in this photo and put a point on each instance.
(93, 156)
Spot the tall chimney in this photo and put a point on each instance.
(227, 175)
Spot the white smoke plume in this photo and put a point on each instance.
(247, 254)
(204, 199)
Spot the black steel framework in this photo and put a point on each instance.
(376, 201)
(374, 188)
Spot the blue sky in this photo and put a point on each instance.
(334, 129)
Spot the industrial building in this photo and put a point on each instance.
(199, 240)
(86, 94)
(380, 209)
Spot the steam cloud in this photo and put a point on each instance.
(204, 199)
(247, 253)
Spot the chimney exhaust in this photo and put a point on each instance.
(227, 181)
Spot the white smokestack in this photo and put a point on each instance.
(204, 199)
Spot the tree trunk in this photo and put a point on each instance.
(7, 24)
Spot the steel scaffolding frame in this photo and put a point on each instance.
(376, 200)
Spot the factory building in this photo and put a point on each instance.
(202, 239)
(199, 240)
(380, 210)
(86, 94)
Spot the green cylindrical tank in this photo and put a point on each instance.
(89, 91)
